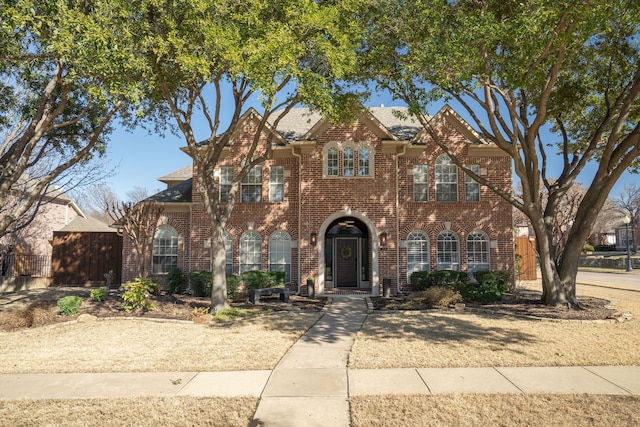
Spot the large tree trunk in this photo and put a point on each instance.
(218, 271)
(553, 290)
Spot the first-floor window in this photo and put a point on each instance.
(448, 251)
(250, 252)
(280, 253)
(417, 253)
(228, 249)
(165, 250)
(477, 252)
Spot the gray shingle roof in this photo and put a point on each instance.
(178, 175)
(179, 193)
(88, 224)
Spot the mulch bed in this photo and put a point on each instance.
(523, 303)
(39, 308)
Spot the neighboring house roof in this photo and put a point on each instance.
(54, 194)
(180, 193)
(179, 175)
(88, 224)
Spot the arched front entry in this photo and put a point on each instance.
(348, 253)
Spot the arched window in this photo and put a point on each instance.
(228, 249)
(250, 252)
(417, 252)
(280, 253)
(477, 252)
(348, 159)
(446, 180)
(165, 250)
(448, 251)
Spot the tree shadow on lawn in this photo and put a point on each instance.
(442, 328)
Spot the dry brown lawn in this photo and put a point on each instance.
(138, 345)
(444, 339)
(150, 411)
(495, 410)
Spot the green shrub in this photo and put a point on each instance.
(175, 281)
(258, 279)
(449, 278)
(233, 283)
(489, 286)
(200, 282)
(421, 280)
(98, 295)
(587, 248)
(69, 305)
(136, 294)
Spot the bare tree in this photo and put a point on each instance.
(138, 221)
(628, 204)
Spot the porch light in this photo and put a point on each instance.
(383, 239)
(314, 239)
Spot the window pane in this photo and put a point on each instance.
(477, 252)
(226, 178)
(164, 250)
(363, 161)
(417, 253)
(280, 253)
(252, 186)
(472, 188)
(332, 162)
(446, 180)
(420, 183)
(250, 252)
(228, 248)
(447, 251)
(347, 162)
(276, 184)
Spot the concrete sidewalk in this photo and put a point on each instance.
(311, 384)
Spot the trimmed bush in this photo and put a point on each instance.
(258, 279)
(587, 248)
(233, 283)
(200, 281)
(437, 296)
(69, 305)
(421, 280)
(98, 295)
(489, 286)
(175, 281)
(136, 294)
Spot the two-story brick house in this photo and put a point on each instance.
(348, 205)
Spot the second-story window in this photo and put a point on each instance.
(276, 184)
(348, 159)
(226, 179)
(446, 180)
(252, 186)
(420, 183)
(471, 186)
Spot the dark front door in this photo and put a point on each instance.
(346, 262)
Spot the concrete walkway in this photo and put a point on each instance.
(311, 384)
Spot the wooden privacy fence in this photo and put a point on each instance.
(83, 258)
(526, 258)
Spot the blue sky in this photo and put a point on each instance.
(141, 158)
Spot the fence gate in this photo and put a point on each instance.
(83, 258)
(526, 258)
